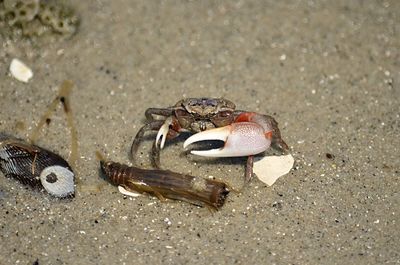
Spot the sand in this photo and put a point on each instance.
(328, 71)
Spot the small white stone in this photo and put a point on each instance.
(20, 71)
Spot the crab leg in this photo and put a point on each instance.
(153, 125)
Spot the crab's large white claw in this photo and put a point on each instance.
(241, 139)
(163, 132)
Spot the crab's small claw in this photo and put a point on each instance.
(241, 139)
(163, 132)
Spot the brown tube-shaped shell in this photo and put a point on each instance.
(167, 184)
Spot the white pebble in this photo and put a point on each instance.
(20, 71)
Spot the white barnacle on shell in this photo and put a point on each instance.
(58, 181)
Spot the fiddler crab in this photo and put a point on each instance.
(244, 133)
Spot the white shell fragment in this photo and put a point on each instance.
(20, 71)
(269, 168)
(128, 193)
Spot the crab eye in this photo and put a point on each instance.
(223, 118)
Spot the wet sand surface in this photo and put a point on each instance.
(328, 71)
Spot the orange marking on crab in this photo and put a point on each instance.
(268, 135)
(245, 116)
